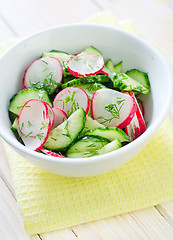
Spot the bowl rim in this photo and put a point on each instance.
(100, 158)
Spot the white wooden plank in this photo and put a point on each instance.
(5, 173)
(153, 20)
(11, 226)
(86, 231)
(5, 32)
(126, 227)
(66, 234)
(40, 14)
(153, 223)
(166, 210)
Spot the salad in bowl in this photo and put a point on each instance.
(78, 105)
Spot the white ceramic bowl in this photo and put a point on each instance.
(113, 43)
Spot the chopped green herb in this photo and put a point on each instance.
(22, 126)
(29, 124)
(68, 133)
(40, 136)
(44, 61)
(43, 126)
(54, 139)
(28, 134)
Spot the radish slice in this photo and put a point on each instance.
(43, 73)
(53, 154)
(137, 125)
(59, 117)
(113, 108)
(70, 99)
(34, 119)
(85, 65)
(50, 113)
(133, 129)
(35, 143)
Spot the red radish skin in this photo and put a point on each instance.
(70, 99)
(141, 106)
(33, 117)
(85, 65)
(47, 68)
(59, 117)
(141, 121)
(107, 97)
(137, 125)
(132, 113)
(133, 129)
(50, 153)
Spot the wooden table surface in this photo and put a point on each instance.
(154, 22)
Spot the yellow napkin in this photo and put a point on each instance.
(50, 202)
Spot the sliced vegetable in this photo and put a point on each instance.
(107, 72)
(139, 76)
(59, 117)
(23, 96)
(90, 124)
(109, 65)
(137, 125)
(63, 57)
(87, 80)
(87, 143)
(43, 73)
(34, 142)
(85, 65)
(112, 108)
(15, 128)
(92, 50)
(90, 88)
(118, 67)
(50, 114)
(34, 118)
(63, 135)
(123, 82)
(110, 133)
(50, 153)
(114, 145)
(114, 68)
(70, 99)
(141, 106)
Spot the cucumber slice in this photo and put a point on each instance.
(109, 65)
(110, 133)
(14, 129)
(123, 82)
(114, 145)
(90, 88)
(91, 124)
(85, 80)
(23, 96)
(86, 144)
(139, 76)
(63, 135)
(114, 68)
(118, 67)
(63, 57)
(92, 50)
